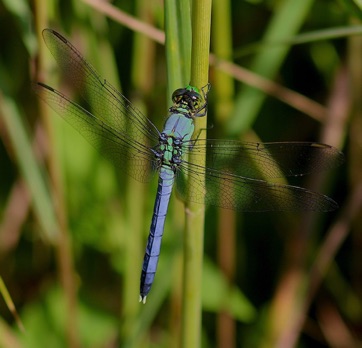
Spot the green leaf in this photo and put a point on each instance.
(288, 18)
(218, 295)
(30, 169)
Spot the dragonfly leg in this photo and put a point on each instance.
(198, 135)
(203, 109)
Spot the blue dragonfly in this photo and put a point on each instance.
(235, 173)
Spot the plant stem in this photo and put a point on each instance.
(63, 244)
(223, 91)
(194, 230)
(177, 44)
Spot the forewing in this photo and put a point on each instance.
(99, 96)
(128, 154)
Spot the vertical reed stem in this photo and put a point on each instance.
(194, 231)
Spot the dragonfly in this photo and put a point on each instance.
(236, 175)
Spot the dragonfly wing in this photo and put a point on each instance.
(129, 155)
(225, 190)
(266, 160)
(108, 104)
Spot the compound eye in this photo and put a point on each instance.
(178, 94)
(194, 95)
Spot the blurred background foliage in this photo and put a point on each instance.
(73, 229)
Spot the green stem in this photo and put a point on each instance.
(194, 230)
(64, 250)
(177, 44)
(223, 92)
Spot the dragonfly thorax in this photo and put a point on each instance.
(169, 151)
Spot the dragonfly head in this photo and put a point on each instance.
(188, 101)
